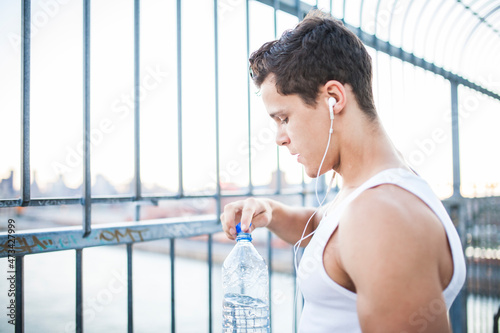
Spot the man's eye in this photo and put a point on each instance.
(284, 120)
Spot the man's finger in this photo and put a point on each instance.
(246, 217)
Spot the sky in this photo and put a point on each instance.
(414, 105)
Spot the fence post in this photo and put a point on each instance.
(496, 318)
(458, 311)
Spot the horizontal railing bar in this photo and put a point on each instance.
(155, 199)
(69, 238)
(66, 238)
(147, 199)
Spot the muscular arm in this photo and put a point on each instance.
(389, 248)
(285, 221)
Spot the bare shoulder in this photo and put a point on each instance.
(393, 248)
(387, 211)
(389, 222)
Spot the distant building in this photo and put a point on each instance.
(7, 187)
(102, 186)
(35, 189)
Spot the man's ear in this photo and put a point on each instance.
(336, 90)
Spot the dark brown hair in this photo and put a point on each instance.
(317, 50)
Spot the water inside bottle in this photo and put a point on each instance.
(244, 314)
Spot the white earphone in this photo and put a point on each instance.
(331, 103)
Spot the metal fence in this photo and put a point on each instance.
(478, 304)
(476, 219)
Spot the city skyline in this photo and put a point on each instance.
(101, 186)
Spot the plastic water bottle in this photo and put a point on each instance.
(245, 282)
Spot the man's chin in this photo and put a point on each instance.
(311, 173)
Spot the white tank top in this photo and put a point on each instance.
(331, 308)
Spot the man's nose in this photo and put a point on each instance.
(282, 138)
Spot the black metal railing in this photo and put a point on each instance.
(496, 319)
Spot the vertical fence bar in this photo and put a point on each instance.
(217, 158)
(179, 96)
(496, 318)
(179, 154)
(489, 268)
(86, 120)
(210, 266)
(130, 284)
(270, 269)
(483, 266)
(130, 298)
(137, 159)
(172, 285)
(458, 311)
(79, 293)
(19, 323)
(476, 271)
(137, 116)
(296, 293)
(479, 269)
(276, 6)
(216, 91)
(249, 119)
(25, 91)
(455, 139)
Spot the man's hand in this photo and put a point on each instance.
(257, 212)
(284, 221)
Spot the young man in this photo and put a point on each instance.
(384, 257)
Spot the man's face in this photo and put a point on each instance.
(301, 128)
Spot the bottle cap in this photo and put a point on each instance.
(242, 235)
(238, 227)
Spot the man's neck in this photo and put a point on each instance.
(365, 151)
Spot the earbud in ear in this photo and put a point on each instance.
(331, 103)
